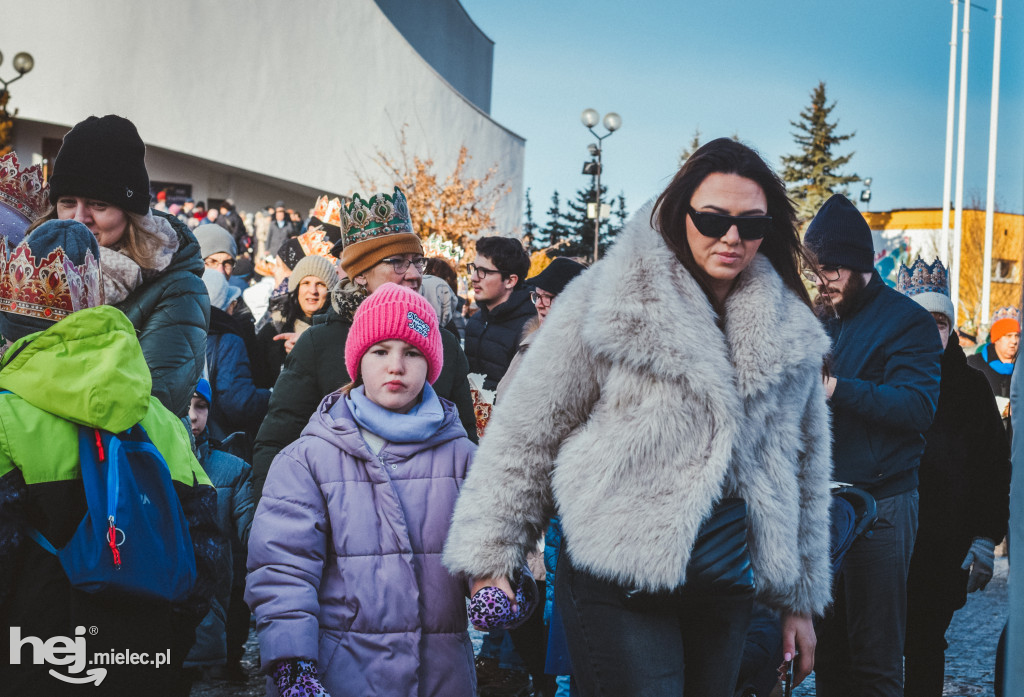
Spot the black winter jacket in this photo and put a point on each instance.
(238, 404)
(965, 470)
(492, 336)
(171, 314)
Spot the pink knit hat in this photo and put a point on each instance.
(395, 312)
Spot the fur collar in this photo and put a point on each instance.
(673, 330)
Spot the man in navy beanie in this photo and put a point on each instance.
(883, 388)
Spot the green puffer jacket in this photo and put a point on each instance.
(89, 370)
(171, 314)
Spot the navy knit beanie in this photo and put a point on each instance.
(839, 236)
(103, 159)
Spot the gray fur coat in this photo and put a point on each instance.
(634, 413)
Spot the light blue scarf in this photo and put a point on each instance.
(422, 421)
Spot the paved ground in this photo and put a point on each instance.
(969, 661)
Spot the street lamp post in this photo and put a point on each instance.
(22, 64)
(612, 122)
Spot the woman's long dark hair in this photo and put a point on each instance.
(726, 156)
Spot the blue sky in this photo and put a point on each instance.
(747, 67)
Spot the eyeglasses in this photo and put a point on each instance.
(750, 227)
(214, 264)
(480, 270)
(823, 273)
(539, 299)
(402, 265)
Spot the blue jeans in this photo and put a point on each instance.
(860, 641)
(677, 650)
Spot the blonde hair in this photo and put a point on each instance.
(139, 242)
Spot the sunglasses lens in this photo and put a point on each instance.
(711, 225)
(716, 225)
(752, 228)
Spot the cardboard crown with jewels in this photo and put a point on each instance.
(928, 285)
(381, 215)
(23, 196)
(49, 288)
(328, 211)
(923, 278)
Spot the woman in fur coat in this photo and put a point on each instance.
(684, 368)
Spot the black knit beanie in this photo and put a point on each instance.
(103, 159)
(556, 276)
(839, 236)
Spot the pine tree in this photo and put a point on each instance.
(556, 231)
(582, 228)
(688, 150)
(530, 228)
(813, 174)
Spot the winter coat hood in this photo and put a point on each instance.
(340, 430)
(88, 368)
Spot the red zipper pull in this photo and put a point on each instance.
(112, 539)
(99, 444)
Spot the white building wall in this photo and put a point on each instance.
(297, 92)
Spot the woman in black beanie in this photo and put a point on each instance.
(151, 264)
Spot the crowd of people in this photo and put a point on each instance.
(658, 437)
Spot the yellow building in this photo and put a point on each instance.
(920, 231)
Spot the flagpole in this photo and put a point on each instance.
(990, 198)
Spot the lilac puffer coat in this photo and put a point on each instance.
(345, 560)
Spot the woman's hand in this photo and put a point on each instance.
(289, 339)
(798, 640)
(499, 582)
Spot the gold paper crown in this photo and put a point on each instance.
(23, 190)
(381, 215)
(48, 288)
(315, 242)
(328, 210)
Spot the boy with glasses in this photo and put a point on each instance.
(493, 333)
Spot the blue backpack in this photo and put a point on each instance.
(134, 537)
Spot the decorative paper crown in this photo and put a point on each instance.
(49, 288)
(435, 246)
(1006, 313)
(328, 211)
(381, 215)
(316, 242)
(23, 190)
(923, 278)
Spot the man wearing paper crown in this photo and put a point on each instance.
(964, 484)
(995, 359)
(72, 362)
(377, 246)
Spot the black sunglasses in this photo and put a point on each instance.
(750, 227)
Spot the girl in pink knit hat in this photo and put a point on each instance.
(345, 579)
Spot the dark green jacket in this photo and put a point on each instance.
(171, 315)
(316, 367)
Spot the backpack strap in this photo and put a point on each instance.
(42, 541)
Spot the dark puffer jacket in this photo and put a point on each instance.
(238, 405)
(965, 470)
(492, 336)
(316, 367)
(171, 315)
